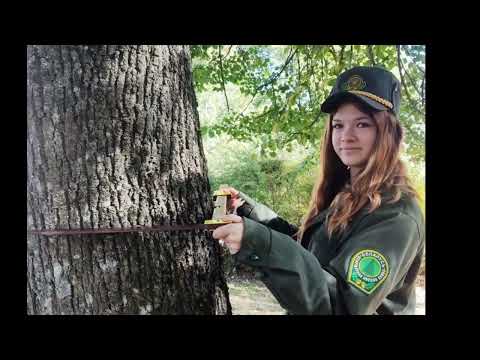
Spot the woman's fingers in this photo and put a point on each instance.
(236, 203)
(222, 231)
(233, 192)
(231, 243)
(232, 218)
(230, 235)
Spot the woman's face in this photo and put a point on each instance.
(353, 136)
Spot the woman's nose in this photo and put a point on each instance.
(348, 133)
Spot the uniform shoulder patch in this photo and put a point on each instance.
(367, 270)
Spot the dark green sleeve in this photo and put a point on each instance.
(302, 286)
(395, 237)
(264, 215)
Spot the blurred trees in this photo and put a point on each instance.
(272, 94)
(260, 116)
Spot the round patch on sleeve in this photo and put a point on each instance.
(368, 269)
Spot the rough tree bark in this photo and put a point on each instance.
(113, 141)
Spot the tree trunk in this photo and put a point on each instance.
(114, 141)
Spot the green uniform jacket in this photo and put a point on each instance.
(368, 269)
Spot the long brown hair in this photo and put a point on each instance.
(384, 172)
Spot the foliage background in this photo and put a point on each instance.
(259, 108)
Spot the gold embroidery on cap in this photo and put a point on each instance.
(373, 97)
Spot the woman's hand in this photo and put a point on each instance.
(234, 192)
(235, 201)
(231, 234)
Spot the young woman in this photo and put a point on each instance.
(359, 248)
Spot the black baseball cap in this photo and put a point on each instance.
(374, 86)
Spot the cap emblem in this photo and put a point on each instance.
(354, 83)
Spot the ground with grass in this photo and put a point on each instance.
(250, 297)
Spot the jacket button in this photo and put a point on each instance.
(254, 257)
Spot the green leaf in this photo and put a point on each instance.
(285, 105)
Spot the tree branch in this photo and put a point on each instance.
(332, 51)
(228, 51)
(399, 61)
(419, 68)
(351, 55)
(266, 113)
(341, 55)
(299, 80)
(423, 90)
(371, 55)
(273, 78)
(221, 74)
(412, 82)
(303, 129)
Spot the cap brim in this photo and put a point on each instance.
(333, 101)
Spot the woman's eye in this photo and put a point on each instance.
(363, 124)
(337, 126)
